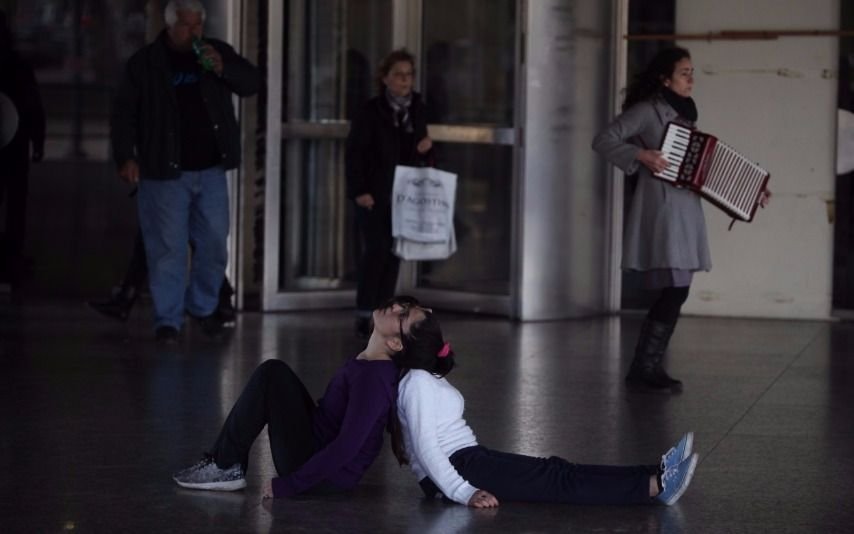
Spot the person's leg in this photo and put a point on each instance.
(371, 266)
(647, 368)
(208, 237)
(274, 396)
(163, 220)
(16, 177)
(5, 178)
(16, 209)
(386, 262)
(225, 308)
(119, 305)
(515, 477)
(137, 272)
(391, 269)
(669, 305)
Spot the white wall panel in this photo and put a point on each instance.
(775, 102)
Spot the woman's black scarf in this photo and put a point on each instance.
(684, 105)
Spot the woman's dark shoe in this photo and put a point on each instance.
(675, 384)
(647, 379)
(117, 307)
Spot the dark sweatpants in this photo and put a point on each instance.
(276, 397)
(515, 477)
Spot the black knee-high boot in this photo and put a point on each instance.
(647, 370)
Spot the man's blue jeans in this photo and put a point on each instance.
(176, 216)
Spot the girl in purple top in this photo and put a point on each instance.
(319, 447)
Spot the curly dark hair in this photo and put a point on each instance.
(648, 83)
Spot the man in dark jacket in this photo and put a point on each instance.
(174, 133)
(19, 85)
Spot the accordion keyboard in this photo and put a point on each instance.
(674, 147)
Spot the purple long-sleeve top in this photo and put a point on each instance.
(348, 427)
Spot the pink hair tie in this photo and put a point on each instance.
(446, 350)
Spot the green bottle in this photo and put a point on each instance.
(207, 63)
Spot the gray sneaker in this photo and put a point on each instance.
(205, 475)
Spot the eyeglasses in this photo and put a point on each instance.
(407, 304)
(402, 75)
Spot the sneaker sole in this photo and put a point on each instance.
(232, 485)
(689, 446)
(693, 465)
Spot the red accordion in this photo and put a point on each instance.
(713, 169)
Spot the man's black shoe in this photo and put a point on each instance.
(225, 309)
(166, 335)
(119, 305)
(115, 308)
(226, 313)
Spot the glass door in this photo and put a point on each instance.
(468, 78)
(325, 53)
(323, 56)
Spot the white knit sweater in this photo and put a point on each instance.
(431, 416)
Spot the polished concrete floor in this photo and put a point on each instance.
(94, 418)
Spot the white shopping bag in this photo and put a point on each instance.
(422, 213)
(420, 251)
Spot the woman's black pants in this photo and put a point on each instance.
(378, 267)
(277, 398)
(515, 477)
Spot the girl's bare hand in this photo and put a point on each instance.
(483, 499)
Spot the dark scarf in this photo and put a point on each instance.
(400, 110)
(684, 105)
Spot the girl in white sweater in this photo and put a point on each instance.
(442, 451)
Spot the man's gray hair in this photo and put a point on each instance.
(170, 14)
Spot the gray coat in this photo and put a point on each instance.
(666, 228)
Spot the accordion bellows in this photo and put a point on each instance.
(715, 170)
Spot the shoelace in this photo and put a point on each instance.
(665, 456)
(204, 462)
(668, 475)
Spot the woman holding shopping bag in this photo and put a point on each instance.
(390, 130)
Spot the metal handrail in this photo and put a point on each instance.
(443, 133)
